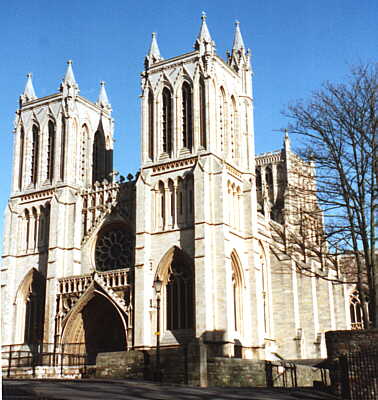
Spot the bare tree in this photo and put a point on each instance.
(338, 126)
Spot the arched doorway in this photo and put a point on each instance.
(103, 328)
(97, 323)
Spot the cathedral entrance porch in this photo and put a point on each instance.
(95, 310)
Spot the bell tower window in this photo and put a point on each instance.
(99, 157)
(51, 151)
(202, 105)
(21, 158)
(34, 155)
(187, 123)
(150, 125)
(167, 121)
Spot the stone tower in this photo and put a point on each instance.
(197, 229)
(63, 144)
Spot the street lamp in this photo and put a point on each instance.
(157, 285)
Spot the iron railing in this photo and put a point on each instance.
(359, 375)
(43, 354)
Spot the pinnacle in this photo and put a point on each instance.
(29, 92)
(204, 34)
(103, 100)
(238, 40)
(69, 77)
(154, 51)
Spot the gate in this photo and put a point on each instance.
(359, 375)
(280, 374)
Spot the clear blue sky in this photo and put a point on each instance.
(296, 45)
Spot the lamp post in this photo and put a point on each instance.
(157, 285)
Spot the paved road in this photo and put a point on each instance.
(127, 390)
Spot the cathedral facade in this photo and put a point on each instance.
(83, 249)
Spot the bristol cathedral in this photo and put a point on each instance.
(84, 247)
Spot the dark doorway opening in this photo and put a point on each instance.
(103, 328)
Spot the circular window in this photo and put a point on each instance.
(114, 250)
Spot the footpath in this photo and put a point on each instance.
(128, 390)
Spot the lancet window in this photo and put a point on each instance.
(167, 121)
(151, 123)
(202, 109)
(21, 158)
(174, 203)
(84, 154)
(99, 157)
(234, 140)
(34, 154)
(187, 120)
(237, 292)
(222, 119)
(50, 151)
(63, 149)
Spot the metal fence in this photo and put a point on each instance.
(280, 374)
(43, 354)
(359, 375)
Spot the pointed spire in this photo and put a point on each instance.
(153, 55)
(204, 43)
(69, 87)
(238, 39)
(29, 92)
(69, 78)
(154, 48)
(204, 34)
(103, 100)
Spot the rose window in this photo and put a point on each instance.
(114, 250)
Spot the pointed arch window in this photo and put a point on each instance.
(187, 120)
(150, 125)
(21, 158)
(237, 288)
(222, 119)
(30, 308)
(167, 121)
(27, 229)
(35, 154)
(202, 109)
(234, 135)
(269, 176)
(63, 149)
(84, 154)
(98, 157)
(161, 205)
(51, 151)
(179, 294)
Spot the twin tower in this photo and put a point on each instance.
(82, 250)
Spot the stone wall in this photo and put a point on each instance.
(186, 366)
(343, 342)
